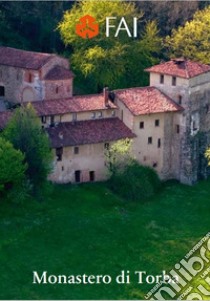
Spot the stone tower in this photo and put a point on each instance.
(188, 84)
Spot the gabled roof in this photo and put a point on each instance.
(146, 100)
(23, 59)
(75, 104)
(88, 132)
(4, 118)
(59, 73)
(181, 68)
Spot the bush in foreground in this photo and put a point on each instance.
(12, 169)
(135, 182)
(25, 133)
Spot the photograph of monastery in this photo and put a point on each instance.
(162, 119)
(104, 150)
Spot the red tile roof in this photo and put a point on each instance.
(147, 100)
(181, 68)
(23, 59)
(59, 73)
(88, 132)
(4, 118)
(75, 104)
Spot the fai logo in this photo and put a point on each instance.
(87, 28)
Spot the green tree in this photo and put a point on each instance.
(12, 167)
(207, 155)
(128, 178)
(118, 155)
(193, 39)
(25, 133)
(114, 62)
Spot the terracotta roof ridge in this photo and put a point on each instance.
(24, 50)
(170, 99)
(88, 95)
(132, 88)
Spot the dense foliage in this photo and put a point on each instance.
(193, 39)
(135, 182)
(116, 56)
(25, 133)
(33, 25)
(128, 178)
(12, 167)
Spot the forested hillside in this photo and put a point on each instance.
(33, 25)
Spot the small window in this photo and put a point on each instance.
(180, 99)
(74, 116)
(76, 150)
(77, 176)
(62, 168)
(145, 158)
(30, 78)
(141, 125)
(177, 129)
(194, 126)
(100, 115)
(159, 143)
(93, 115)
(157, 122)
(155, 164)
(173, 80)
(59, 153)
(149, 140)
(161, 79)
(1, 74)
(2, 91)
(106, 146)
(44, 119)
(52, 121)
(92, 176)
(56, 90)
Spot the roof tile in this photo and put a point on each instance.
(147, 100)
(23, 59)
(75, 104)
(181, 68)
(88, 132)
(59, 73)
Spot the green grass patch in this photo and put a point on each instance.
(87, 229)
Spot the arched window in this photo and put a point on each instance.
(2, 91)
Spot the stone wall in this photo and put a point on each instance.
(23, 85)
(150, 154)
(90, 158)
(11, 79)
(58, 89)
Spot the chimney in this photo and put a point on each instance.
(60, 135)
(106, 96)
(179, 61)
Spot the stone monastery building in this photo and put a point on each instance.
(169, 121)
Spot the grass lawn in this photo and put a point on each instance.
(86, 229)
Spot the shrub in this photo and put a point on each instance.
(135, 182)
(25, 133)
(12, 168)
